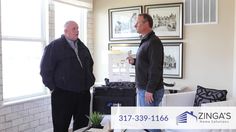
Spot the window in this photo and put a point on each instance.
(65, 12)
(201, 11)
(23, 40)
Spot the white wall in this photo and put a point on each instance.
(208, 49)
(234, 73)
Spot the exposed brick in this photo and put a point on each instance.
(2, 119)
(24, 126)
(17, 121)
(34, 123)
(28, 119)
(5, 110)
(5, 125)
(12, 116)
(18, 107)
(43, 121)
(29, 130)
(12, 129)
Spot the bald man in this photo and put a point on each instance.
(67, 70)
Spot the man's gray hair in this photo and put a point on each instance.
(67, 23)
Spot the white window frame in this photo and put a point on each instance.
(83, 24)
(43, 39)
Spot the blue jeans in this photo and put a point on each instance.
(157, 95)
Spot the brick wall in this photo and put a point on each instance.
(90, 29)
(28, 116)
(34, 115)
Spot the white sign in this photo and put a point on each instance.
(118, 66)
(173, 117)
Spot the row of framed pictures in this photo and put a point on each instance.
(173, 56)
(167, 25)
(167, 21)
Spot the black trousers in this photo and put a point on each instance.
(65, 105)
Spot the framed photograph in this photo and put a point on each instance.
(167, 20)
(173, 60)
(122, 22)
(126, 49)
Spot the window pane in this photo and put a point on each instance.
(21, 18)
(65, 12)
(21, 62)
(206, 10)
(187, 11)
(213, 10)
(200, 11)
(193, 7)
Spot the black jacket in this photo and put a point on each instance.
(61, 69)
(149, 63)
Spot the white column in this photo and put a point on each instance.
(234, 67)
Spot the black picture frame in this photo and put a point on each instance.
(173, 60)
(122, 22)
(124, 47)
(173, 57)
(167, 20)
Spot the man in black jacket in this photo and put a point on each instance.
(67, 70)
(148, 64)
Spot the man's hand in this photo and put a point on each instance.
(149, 97)
(130, 59)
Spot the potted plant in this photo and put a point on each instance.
(95, 119)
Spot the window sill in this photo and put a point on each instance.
(24, 100)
